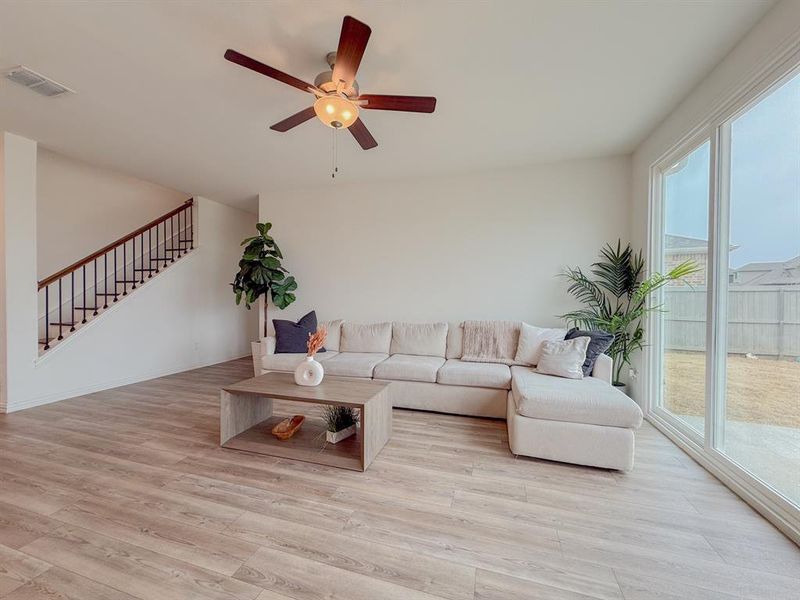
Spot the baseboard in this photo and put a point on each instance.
(760, 501)
(115, 383)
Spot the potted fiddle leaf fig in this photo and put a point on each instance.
(262, 274)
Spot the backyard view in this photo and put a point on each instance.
(759, 307)
(759, 391)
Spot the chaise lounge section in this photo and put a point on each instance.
(585, 421)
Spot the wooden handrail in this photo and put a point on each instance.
(84, 261)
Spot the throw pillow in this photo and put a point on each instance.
(531, 339)
(600, 342)
(292, 338)
(564, 358)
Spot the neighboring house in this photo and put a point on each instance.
(767, 273)
(680, 248)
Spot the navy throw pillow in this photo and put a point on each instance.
(292, 337)
(599, 342)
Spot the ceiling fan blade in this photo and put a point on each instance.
(295, 120)
(422, 104)
(352, 43)
(362, 135)
(259, 67)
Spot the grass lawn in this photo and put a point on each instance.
(759, 391)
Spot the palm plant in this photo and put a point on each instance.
(615, 297)
(261, 273)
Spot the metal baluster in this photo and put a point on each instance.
(180, 235)
(115, 276)
(95, 288)
(84, 294)
(60, 319)
(47, 317)
(133, 262)
(124, 268)
(72, 305)
(156, 248)
(149, 253)
(191, 226)
(105, 280)
(165, 245)
(172, 239)
(141, 259)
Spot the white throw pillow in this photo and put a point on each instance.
(564, 358)
(358, 337)
(531, 339)
(419, 339)
(334, 334)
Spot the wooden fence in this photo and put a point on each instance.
(762, 320)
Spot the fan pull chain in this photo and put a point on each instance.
(335, 155)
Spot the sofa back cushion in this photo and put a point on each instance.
(334, 328)
(455, 340)
(419, 339)
(361, 337)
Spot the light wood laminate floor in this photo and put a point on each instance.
(125, 495)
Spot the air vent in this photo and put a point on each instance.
(37, 82)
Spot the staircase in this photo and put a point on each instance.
(77, 294)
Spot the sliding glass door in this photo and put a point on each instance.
(685, 237)
(761, 428)
(725, 354)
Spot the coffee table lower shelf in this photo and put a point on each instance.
(246, 419)
(308, 444)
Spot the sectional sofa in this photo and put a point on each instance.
(584, 421)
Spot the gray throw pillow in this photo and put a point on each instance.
(599, 342)
(292, 338)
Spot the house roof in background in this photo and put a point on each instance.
(682, 242)
(517, 83)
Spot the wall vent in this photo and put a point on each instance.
(36, 82)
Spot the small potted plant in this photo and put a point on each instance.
(341, 421)
(310, 372)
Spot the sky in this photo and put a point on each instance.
(765, 182)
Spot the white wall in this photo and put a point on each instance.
(81, 208)
(182, 319)
(18, 286)
(768, 38)
(476, 246)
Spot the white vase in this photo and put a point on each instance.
(309, 372)
(334, 437)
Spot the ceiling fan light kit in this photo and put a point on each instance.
(338, 103)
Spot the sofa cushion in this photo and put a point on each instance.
(407, 367)
(370, 338)
(334, 334)
(354, 364)
(489, 375)
(455, 340)
(588, 400)
(531, 339)
(419, 339)
(288, 362)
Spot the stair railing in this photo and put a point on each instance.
(155, 245)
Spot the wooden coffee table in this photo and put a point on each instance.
(246, 419)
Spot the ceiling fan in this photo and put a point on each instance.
(338, 101)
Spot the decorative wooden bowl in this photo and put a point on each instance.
(288, 427)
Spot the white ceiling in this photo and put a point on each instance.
(517, 82)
